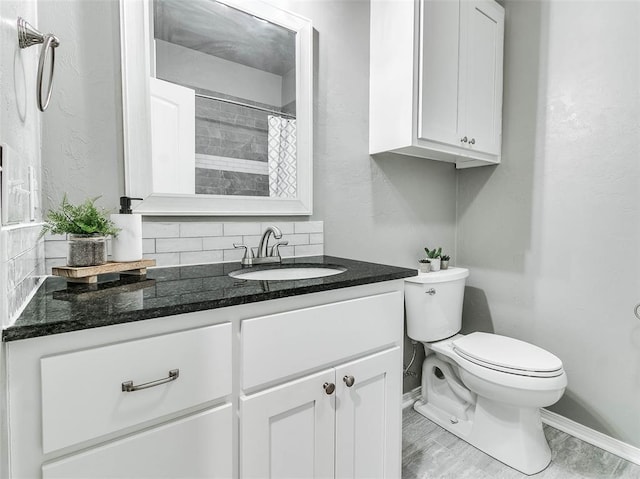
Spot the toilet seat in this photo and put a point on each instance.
(507, 355)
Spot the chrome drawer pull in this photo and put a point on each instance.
(128, 386)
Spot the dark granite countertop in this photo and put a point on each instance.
(58, 307)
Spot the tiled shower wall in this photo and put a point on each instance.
(228, 131)
(23, 266)
(189, 242)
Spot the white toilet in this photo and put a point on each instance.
(485, 388)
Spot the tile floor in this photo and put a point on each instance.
(430, 452)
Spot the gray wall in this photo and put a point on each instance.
(551, 235)
(82, 129)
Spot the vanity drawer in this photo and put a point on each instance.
(82, 392)
(282, 345)
(198, 446)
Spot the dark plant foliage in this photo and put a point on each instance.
(83, 219)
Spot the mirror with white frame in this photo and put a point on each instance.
(227, 88)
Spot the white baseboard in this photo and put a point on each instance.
(598, 439)
(412, 396)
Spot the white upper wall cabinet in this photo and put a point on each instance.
(436, 80)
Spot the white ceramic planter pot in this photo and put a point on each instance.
(424, 267)
(86, 250)
(435, 264)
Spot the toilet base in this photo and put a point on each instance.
(508, 433)
(519, 442)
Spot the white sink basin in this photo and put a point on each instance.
(285, 273)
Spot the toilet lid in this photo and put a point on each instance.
(508, 355)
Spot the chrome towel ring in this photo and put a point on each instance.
(28, 36)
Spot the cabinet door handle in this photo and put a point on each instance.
(128, 386)
(464, 140)
(472, 141)
(329, 388)
(349, 381)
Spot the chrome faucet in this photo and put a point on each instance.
(264, 254)
(263, 246)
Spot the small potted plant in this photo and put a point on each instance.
(87, 228)
(444, 261)
(433, 255)
(424, 265)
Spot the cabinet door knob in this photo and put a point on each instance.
(349, 381)
(472, 141)
(329, 388)
(464, 140)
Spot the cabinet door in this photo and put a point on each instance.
(288, 431)
(481, 52)
(438, 118)
(369, 417)
(199, 446)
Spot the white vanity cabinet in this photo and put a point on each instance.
(91, 393)
(302, 386)
(95, 403)
(198, 446)
(436, 80)
(342, 421)
(316, 425)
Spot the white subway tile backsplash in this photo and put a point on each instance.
(165, 259)
(195, 257)
(160, 230)
(171, 245)
(252, 241)
(22, 239)
(148, 245)
(309, 250)
(316, 238)
(297, 239)
(222, 242)
(287, 228)
(55, 249)
(52, 237)
(309, 227)
(191, 242)
(233, 254)
(200, 229)
(287, 251)
(242, 229)
(54, 263)
(21, 266)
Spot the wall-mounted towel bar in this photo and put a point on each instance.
(28, 36)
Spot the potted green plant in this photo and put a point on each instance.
(433, 255)
(444, 261)
(424, 265)
(87, 228)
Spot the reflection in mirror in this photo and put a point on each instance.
(241, 70)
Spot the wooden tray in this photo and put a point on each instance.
(89, 274)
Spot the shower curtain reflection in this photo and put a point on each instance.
(281, 152)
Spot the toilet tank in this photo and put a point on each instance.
(433, 304)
